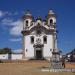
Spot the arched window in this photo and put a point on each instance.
(45, 39)
(27, 23)
(32, 39)
(51, 21)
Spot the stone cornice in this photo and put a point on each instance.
(25, 32)
(40, 27)
(27, 17)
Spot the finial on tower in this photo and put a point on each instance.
(51, 12)
(39, 18)
(28, 13)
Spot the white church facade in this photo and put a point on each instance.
(39, 36)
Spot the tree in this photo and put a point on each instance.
(5, 51)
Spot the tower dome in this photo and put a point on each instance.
(39, 18)
(27, 15)
(51, 18)
(51, 13)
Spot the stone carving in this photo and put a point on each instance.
(38, 41)
(56, 63)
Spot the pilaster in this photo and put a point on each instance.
(23, 47)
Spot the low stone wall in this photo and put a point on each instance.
(10, 56)
(3, 56)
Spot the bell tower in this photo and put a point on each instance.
(27, 19)
(51, 23)
(51, 18)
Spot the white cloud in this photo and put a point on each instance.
(7, 21)
(17, 28)
(15, 39)
(17, 51)
(7, 13)
(18, 22)
(1, 13)
(11, 13)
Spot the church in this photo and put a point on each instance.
(39, 36)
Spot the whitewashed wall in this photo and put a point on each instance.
(47, 52)
(3, 56)
(29, 49)
(11, 57)
(16, 56)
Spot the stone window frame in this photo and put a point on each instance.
(32, 39)
(45, 39)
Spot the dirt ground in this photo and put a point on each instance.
(30, 68)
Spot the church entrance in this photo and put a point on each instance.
(38, 52)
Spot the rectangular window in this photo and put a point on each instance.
(32, 39)
(45, 39)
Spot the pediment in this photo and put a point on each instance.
(40, 29)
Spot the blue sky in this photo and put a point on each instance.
(11, 12)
